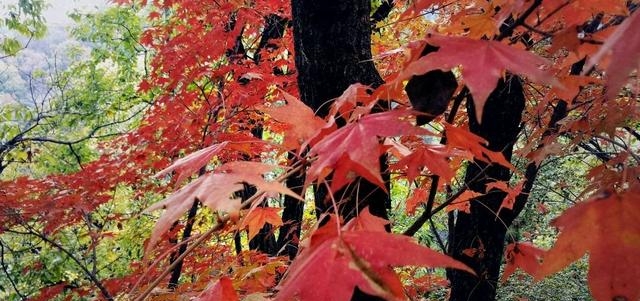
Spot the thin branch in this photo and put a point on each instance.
(437, 235)
(508, 30)
(621, 145)
(633, 132)
(222, 221)
(91, 276)
(76, 156)
(6, 272)
(426, 214)
(191, 216)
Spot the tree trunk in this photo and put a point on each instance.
(483, 231)
(291, 216)
(332, 42)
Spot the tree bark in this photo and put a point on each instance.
(332, 41)
(291, 216)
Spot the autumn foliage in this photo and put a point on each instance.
(227, 129)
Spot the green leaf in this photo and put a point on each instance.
(10, 46)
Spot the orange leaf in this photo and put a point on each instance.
(463, 202)
(301, 121)
(567, 38)
(434, 157)
(522, 256)
(512, 193)
(419, 196)
(465, 140)
(222, 290)
(258, 217)
(477, 22)
(571, 86)
(607, 228)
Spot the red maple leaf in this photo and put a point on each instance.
(419, 196)
(483, 64)
(355, 148)
(624, 47)
(418, 6)
(434, 157)
(355, 99)
(463, 139)
(188, 165)
(512, 193)
(607, 228)
(463, 202)
(342, 260)
(367, 222)
(575, 12)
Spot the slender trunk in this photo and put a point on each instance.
(186, 234)
(291, 216)
(265, 240)
(483, 230)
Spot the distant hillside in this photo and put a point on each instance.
(23, 77)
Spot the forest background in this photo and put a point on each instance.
(348, 150)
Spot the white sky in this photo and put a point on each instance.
(56, 13)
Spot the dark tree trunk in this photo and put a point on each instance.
(332, 42)
(186, 234)
(333, 50)
(265, 240)
(430, 93)
(484, 230)
(291, 216)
